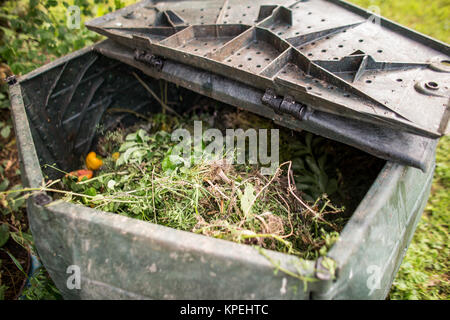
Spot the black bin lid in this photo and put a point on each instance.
(328, 58)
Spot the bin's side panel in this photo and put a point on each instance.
(123, 258)
(31, 174)
(374, 242)
(66, 101)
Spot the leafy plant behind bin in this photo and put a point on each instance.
(309, 162)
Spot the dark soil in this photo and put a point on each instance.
(10, 275)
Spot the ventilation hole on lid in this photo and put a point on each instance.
(324, 50)
(228, 8)
(327, 38)
(310, 54)
(380, 51)
(432, 85)
(399, 80)
(309, 88)
(240, 21)
(229, 60)
(202, 23)
(361, 40)
(201, 17)
(201, 9)
(340, 46)
(258, 66)
(335, 58)
(206, 43)
(240, 66)
(280, 33)
(309, 13)
(346, 95)
(368, 81)
(248, 7)
(258, 52)
(249, 59)
(301, 48)
(323, 20)
(309, 27)
(244, 14)
(283, 72)
(195, 49)
(238, 54)
(267, 59)
(297, 33)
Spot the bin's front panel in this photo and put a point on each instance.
(123, 258)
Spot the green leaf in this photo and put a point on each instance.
(142, 136)
(23, 239)
(313, 165)
(125, 157)
(302, 186)
(4, 234)
(5, 132)
(323, 181)
(91, 192)
(17, 204)
(3, 289)
(332, 186)
(127, 145)
(131, 137)
(111, 184)
(4, 184)
(167, 165)
(322, 161)
(308, 140)
(247, 199)
(298, 164)
(16, 262)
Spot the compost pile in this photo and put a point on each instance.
(289, 211)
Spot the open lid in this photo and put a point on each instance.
(328, 55)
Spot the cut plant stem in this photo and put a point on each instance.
(154, 95)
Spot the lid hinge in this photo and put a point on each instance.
(285, 105)
(149, 59)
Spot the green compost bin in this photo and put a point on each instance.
(56, 110)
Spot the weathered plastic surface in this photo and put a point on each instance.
(326, 54)
(386, 143)
(124, 258)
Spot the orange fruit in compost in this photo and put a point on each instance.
(81, 174)
(92, 162)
